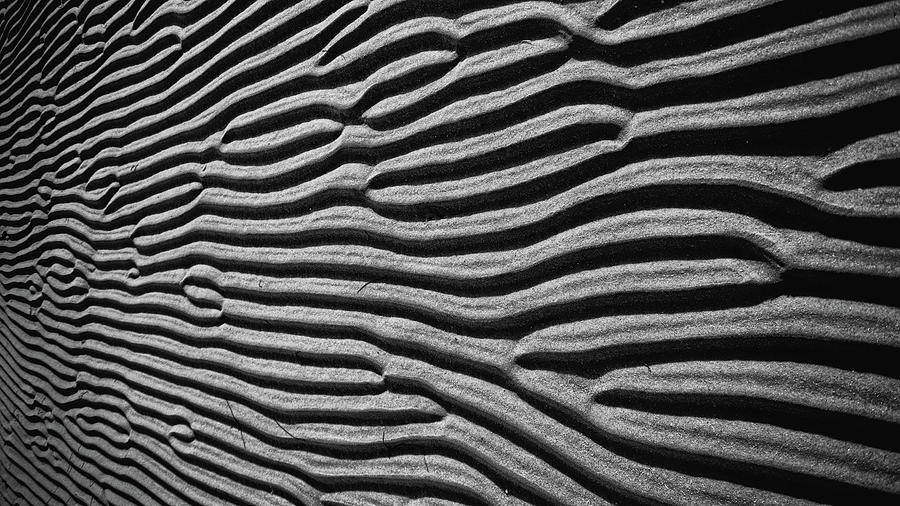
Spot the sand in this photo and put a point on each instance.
(449, 252)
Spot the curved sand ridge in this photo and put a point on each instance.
(477, 252)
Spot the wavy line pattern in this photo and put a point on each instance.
(349, 252)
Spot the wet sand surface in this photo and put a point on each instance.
(449, 252)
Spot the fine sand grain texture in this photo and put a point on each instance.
(354, 252)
